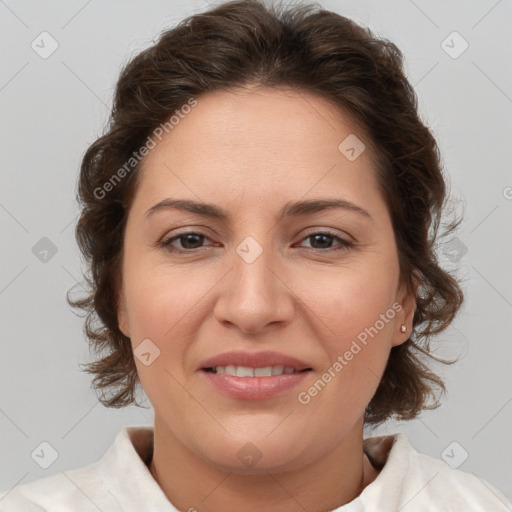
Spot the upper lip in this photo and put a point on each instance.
(255, 360)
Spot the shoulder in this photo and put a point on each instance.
(94, 487)
(77, 489)
(412, 481)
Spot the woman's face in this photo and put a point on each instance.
(271, 274)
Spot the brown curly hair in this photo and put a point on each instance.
(310, 50)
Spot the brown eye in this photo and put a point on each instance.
(321, 241)
(188, 242)
(191, 240)
(324, 240)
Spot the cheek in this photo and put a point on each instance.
(159, 298)
(351, 299)
(165, 307)
(357, 308)
(357, 355)
(158, 310)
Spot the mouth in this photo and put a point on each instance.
(254, 364)
(247, 371)
(254, 375)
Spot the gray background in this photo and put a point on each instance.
(53, 108)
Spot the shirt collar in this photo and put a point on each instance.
(126, 476)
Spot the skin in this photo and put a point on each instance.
(250, 152)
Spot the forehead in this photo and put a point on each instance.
(252, 142)
(254, 117)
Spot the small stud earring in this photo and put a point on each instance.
(403, 328)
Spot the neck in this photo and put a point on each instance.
(191, 482)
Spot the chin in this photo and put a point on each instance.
(260, 453)
(250, 460)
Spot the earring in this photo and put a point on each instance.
(403, 328)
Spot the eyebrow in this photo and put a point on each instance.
(294, 209)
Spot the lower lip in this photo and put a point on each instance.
(254, 388)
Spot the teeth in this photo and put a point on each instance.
(264, 372)
(246, 371)
(278, 370)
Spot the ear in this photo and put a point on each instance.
(122, 317)
(405, 315)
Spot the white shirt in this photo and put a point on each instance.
(121, 482)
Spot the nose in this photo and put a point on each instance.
(255, 295)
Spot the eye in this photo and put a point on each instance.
(322, 241)
(193, 242)
(190, 242)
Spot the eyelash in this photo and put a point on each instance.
(166, 244)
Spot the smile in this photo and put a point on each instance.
(247, 371)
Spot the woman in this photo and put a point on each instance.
(260, 221)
